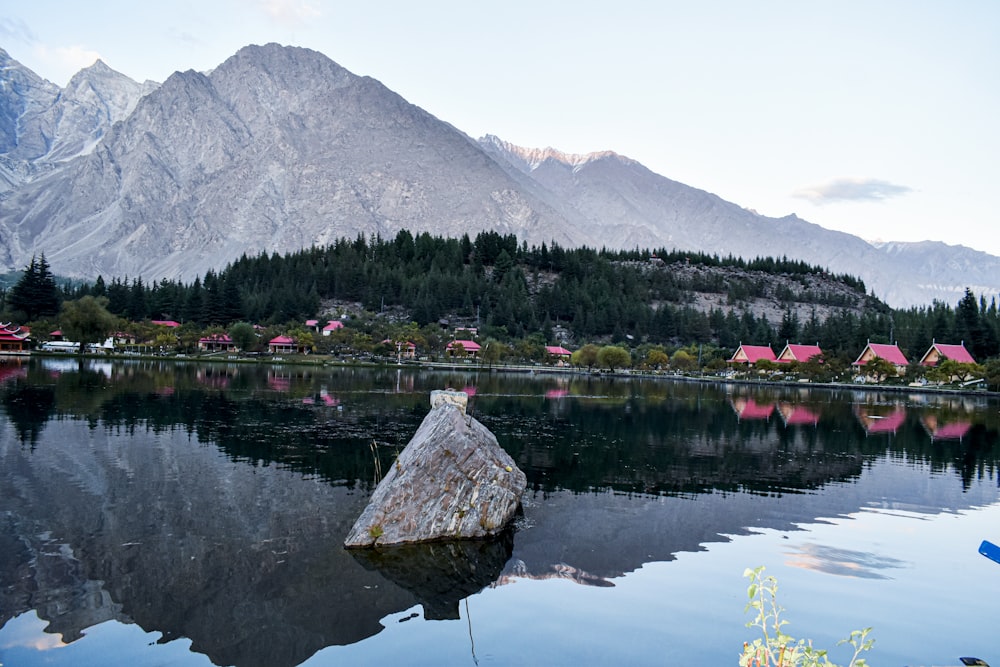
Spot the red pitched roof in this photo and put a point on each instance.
(12, 332)
(467, 345)
(333, 325)
(166, 323)
(281, 340)
(751, 354)
(557, 350)
(953, 352)
(890, 353)
(799, 353)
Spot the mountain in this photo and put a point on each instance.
(631, 206)
(277, 149)
(42, 125)
(280, 148)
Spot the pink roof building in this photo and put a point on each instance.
(557, 351)
(166, 323)
(799, 353)
(939, 352)
(331, 326)
(405, 349)
(281, 344)
(751, 354)
(470, 347)
(216, 342)
(890, 353)
(13, 338)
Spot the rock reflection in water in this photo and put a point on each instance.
(441, 574)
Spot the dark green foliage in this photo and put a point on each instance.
(515, 290)
(35, 294)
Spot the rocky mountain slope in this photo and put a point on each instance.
(629, 206)
(280, 148)
(42, 125)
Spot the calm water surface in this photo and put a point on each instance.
(193, 514)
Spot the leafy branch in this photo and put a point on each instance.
(776, 648)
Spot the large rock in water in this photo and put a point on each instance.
(451, 481)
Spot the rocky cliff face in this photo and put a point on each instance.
(280, 148)
(277, 149)
(42, 126)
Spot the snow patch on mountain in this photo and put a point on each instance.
(536, 157)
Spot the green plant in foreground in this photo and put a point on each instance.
(777, 649)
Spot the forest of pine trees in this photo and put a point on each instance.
(513, 291)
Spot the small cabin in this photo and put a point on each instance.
(939, 352)
(751, 354)
(890, 353)
(468, 348)
(800, 353)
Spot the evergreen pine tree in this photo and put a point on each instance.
(35, 294)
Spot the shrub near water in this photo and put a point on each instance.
(777, 649)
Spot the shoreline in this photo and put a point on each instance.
(322, 361)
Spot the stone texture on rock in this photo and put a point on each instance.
(457, 398)
(451, 481)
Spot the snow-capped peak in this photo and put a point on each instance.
(534, 157)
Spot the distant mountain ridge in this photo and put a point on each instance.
(279, 148)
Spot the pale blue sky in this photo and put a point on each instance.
(874, 117)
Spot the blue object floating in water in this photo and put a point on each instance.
(990, 550)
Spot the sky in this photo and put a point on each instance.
(873, 117)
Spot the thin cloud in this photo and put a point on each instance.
(16, 30)
(852, 189)
(293, 12)
(65, 61)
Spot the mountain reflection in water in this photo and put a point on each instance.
(211, 502)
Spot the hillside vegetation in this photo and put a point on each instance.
(511, 291)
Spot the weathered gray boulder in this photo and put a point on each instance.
(451, 481)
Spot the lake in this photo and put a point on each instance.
(177, 513)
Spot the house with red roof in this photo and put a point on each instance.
(331, 326)
(800, 353)
(466, 347)
(166, 323)
(560, 353)
(216, 343)
(404, 349)
(281, 345)
(939, 352)
(13, 339)
(890, 353)
(751, 354)
(123, 338)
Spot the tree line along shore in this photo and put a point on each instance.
(429, 291)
